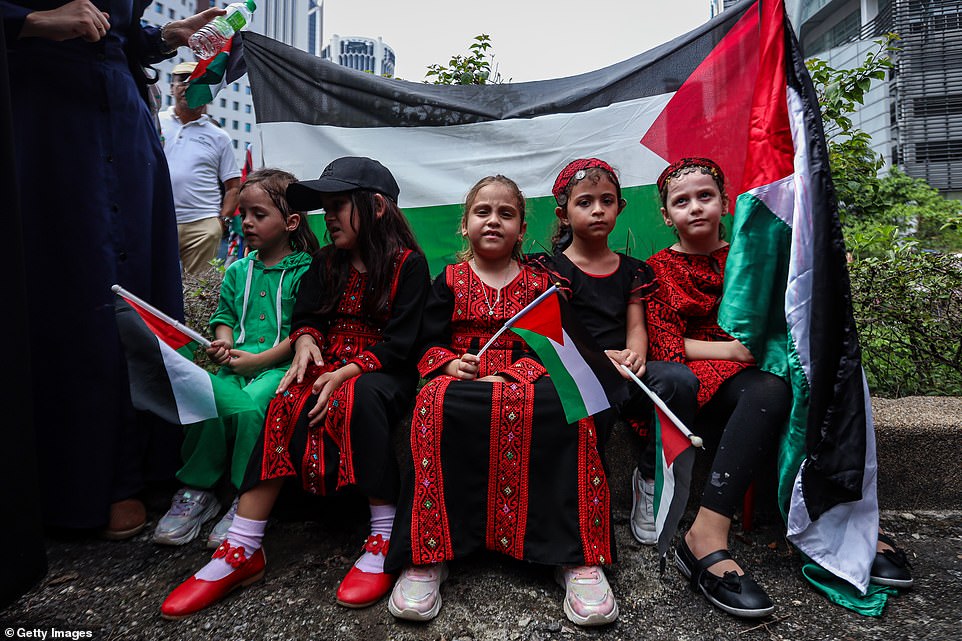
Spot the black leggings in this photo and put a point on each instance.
(749, 409)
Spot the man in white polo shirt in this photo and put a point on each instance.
(202, 168)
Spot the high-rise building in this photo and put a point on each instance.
(915, 115)
(232, 107)
(363, 54)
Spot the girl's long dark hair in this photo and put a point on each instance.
(379, 240)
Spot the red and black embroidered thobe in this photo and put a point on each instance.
(686, 306)
(352, 445)
(494, 465)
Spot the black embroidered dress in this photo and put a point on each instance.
(353, 445)
(494, 464)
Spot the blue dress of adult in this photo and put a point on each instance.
(97, 210)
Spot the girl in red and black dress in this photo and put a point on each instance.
(748, 405)
(494, 463)
(354, 330)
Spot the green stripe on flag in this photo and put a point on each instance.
(752, 312)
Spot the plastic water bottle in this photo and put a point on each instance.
(212, 37)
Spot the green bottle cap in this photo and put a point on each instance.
(251, 6)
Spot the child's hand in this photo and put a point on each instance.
(245, 363)
(465, 368)
(740, 353)
(219, 351)
(325, 385)
(634, 362)
(306, 351)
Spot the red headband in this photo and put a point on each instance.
(684, 163)
(571, 172)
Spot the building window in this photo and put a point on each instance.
(938, 151)
(170, 12)
(223, 102)
(247, 109)
(247, 90)
(159, 8)
(247, 127)
(236, 106)
(223, 121)
(235, 143)
(236, 86)
(234, 124)
(170, 100)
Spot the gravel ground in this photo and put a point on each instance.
(114, 590)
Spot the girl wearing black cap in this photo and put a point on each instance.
(354, 327)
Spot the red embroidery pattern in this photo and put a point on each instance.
(686, 306)
(512, 412)
(430, 532)
(434, 358)
(594, 500)
(282, 414)
(367, 362)
(310, 331)
(340, 409)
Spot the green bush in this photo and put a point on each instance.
(908, 307)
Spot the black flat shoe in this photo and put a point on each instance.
(891, 567)
(738, 595)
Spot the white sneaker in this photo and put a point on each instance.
(219, 533)
(417, 594)
(588, 597)
(188, 512)
(643, 509)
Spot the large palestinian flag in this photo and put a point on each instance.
(734, 90)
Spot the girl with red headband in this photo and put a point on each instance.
(494, 463)
(747, 405)
(608, 291)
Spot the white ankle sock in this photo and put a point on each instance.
(382, 520)
(244, 533)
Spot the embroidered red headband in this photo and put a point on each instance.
(575, 170)
(672, 169)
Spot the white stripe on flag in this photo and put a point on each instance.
(530, 151)
(592, 393)
(667, 493)
(192, 387)
(843, 539)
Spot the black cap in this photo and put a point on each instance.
(344, 174)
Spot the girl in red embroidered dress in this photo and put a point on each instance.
(494, 464)
(354, 330)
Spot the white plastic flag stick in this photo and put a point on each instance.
(696, 440)
(511, 321)
(120, 291)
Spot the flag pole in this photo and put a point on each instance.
(696, 440)
(511, 321)
(120, 291)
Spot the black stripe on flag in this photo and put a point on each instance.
(835, 436)
(289, 85)
(150, 387)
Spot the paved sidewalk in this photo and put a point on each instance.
(114, 590)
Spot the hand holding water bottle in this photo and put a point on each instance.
(175, 33)
(212, 37)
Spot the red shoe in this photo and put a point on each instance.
(360, 589)
(193, 595)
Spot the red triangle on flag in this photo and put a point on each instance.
(710, 112)
(673, 442)
(544, 319)
(163, 330)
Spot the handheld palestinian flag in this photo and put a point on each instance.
(213, 74)
(586, 380)
(734, 90)
(163, 377)
(676, 458)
